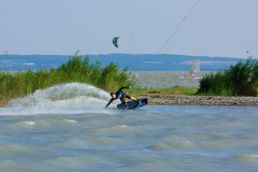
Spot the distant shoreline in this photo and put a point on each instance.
(203, 100)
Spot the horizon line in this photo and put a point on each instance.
(151, 54)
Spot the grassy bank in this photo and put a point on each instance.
(77, 69)
(239, 80)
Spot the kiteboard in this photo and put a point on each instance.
(133, 104)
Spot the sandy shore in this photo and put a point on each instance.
(204, 100)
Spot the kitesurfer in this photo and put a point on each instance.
(120, 95)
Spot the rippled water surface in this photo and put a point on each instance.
(53, 136)
(155, 138)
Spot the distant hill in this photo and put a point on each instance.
(134, 62)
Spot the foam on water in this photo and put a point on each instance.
(71, 98)
(70, 121)
(248, 158)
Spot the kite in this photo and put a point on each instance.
(115, 40)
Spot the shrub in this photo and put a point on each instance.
(77, 69)
(239, 80)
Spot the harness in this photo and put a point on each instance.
(120, 95)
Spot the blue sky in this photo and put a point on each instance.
(214, 27)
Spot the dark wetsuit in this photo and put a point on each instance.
(119, 95)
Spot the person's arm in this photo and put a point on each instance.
(130, 97)
(110, 101)
(120, 89)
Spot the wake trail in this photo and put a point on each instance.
(70, 98)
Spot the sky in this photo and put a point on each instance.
(226, 28)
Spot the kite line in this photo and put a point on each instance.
(180, 24)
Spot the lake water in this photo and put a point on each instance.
(165, 79)
(65, 128)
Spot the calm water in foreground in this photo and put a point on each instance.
(60, 131)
